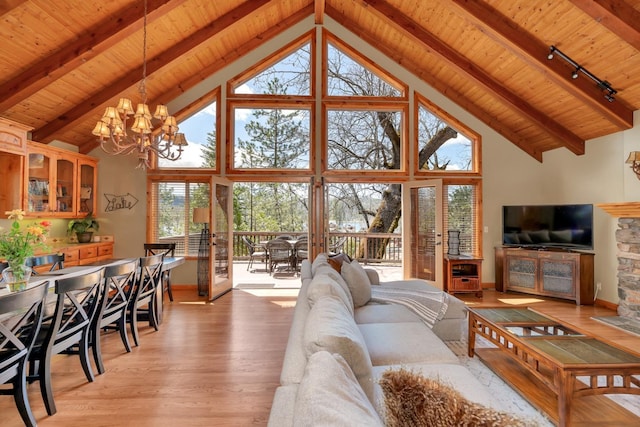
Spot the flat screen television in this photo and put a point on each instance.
(548, 226)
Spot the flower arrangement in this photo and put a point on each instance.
(17, 244)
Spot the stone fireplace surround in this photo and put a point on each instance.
(628, 240)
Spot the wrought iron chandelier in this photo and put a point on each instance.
(117, 138)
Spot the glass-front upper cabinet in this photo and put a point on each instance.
(59, 183)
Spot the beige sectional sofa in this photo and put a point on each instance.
(341, 343)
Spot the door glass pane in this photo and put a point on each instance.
(221, 231)
(423, 233)
(65, 199)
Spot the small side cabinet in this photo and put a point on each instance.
(463, 274)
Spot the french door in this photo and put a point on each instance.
(422, 230)
(221, 253)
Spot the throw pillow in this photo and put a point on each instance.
(329, 395)
(330, 327)
(358, 283)
(413, 400)
(322, 285)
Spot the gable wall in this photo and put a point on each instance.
(510, 175)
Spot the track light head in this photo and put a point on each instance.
(603, 85)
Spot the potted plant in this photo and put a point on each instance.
(83, 228)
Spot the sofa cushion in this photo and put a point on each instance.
(330, 327)
(321, 259)
(283, 405)
(404, 342)
(384, 313)
(329, 395)
(411, 399)
(358, 283)
(329, 271)
(322, 285)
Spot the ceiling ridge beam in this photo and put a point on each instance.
(447, 91)
(88, 45)
(505, 32)
(616, 15)
(214, 67)
(122, 83)
(401, 21)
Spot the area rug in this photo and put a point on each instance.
(624, 323)
(504, 397)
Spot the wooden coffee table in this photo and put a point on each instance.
(556, 355)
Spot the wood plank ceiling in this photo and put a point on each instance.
(63, 61)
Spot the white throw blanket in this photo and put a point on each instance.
(428, 305)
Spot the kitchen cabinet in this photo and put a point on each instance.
(59, 183)
(13, 148)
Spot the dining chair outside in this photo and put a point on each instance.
(67, 330)
(337, 247)
(20, 320)
(256, 251)
(278, 251)
(300, 252)
(166, 249)
(142, 304)
(120, 280)
(55, 260)
(285, 237)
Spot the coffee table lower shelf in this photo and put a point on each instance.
(586, 411)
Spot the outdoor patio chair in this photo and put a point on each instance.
(337, 247)
(256, 251)
(300, 252)
(279, 252)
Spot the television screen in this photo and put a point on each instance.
(561, 226)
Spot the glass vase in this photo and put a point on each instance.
(16, 279)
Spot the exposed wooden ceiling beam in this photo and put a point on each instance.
(87, 46)
(318, 11)
(398, 19)
(504, 31)
(8, 5)
(424, 74)
(125, 82)
(215, 66)
(617, 15)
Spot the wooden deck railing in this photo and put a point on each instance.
(356, 245)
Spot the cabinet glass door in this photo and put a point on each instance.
(39, 173)
(64, 190)
(87, 183)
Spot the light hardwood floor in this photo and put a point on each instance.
(210, 364)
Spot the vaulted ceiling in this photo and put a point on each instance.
(63, 61)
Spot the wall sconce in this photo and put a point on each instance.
(603, 85)
(634, 161)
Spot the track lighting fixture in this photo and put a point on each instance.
(603, 85)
